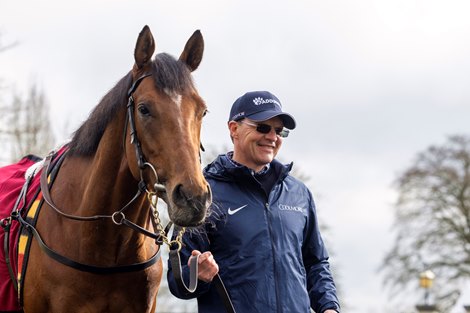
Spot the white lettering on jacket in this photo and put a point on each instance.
(286, 207)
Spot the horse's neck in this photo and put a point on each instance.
(101, 185)
(108, 184)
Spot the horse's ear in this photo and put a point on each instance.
(193, 50)
(144, 48)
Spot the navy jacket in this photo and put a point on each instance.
(269, 250)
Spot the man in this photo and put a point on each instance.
(262, 236)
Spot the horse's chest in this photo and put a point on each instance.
(68, 290)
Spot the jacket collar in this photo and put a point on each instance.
(224, 168)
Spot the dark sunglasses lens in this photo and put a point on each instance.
(263, 128)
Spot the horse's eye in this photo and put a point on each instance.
(205, 112)
(143, 110)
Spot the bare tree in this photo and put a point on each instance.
(4, 47)
(432, 222)
(25, 124)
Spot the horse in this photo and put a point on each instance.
(141, 141)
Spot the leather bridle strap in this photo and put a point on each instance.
(86, 267)
(130, 114)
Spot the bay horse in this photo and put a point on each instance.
(143, 135)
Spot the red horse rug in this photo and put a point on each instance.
(20, 201)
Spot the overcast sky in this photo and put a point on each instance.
(371, 83)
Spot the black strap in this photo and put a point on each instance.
(223, 293)
(86, 267)
(175, 261)
(6, 223)
(158, 238)
(133, 131)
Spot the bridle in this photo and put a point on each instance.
(142, 163)
(118, 217)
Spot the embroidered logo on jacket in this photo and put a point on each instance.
(286, 207)
(231, 212)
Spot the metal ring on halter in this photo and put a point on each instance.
(113, 217)
(178, 244)
(157, 186)
(152, 198)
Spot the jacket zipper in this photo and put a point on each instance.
(273, 252)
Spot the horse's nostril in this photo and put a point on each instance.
(183, 198)
(179, 193)
(189, 207)
(180, 196)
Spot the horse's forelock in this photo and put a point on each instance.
(171, 74)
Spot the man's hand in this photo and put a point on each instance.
(207, 267)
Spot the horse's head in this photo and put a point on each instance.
(168, 114)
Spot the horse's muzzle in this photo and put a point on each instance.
(189, 209)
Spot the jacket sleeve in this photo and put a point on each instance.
(320, 283)
(195, 240)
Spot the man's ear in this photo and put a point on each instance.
(233, 128)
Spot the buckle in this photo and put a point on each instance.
(5, 223)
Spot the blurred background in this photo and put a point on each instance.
(379, 90)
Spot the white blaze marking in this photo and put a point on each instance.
(175, 97)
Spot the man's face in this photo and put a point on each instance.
(252, 148)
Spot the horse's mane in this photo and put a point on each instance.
(168, 73)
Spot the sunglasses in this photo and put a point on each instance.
(266, 129)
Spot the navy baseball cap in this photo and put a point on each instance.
(260, 106)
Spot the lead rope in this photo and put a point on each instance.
(175, 261)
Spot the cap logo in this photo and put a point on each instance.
(238, 115)
(260, 100)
